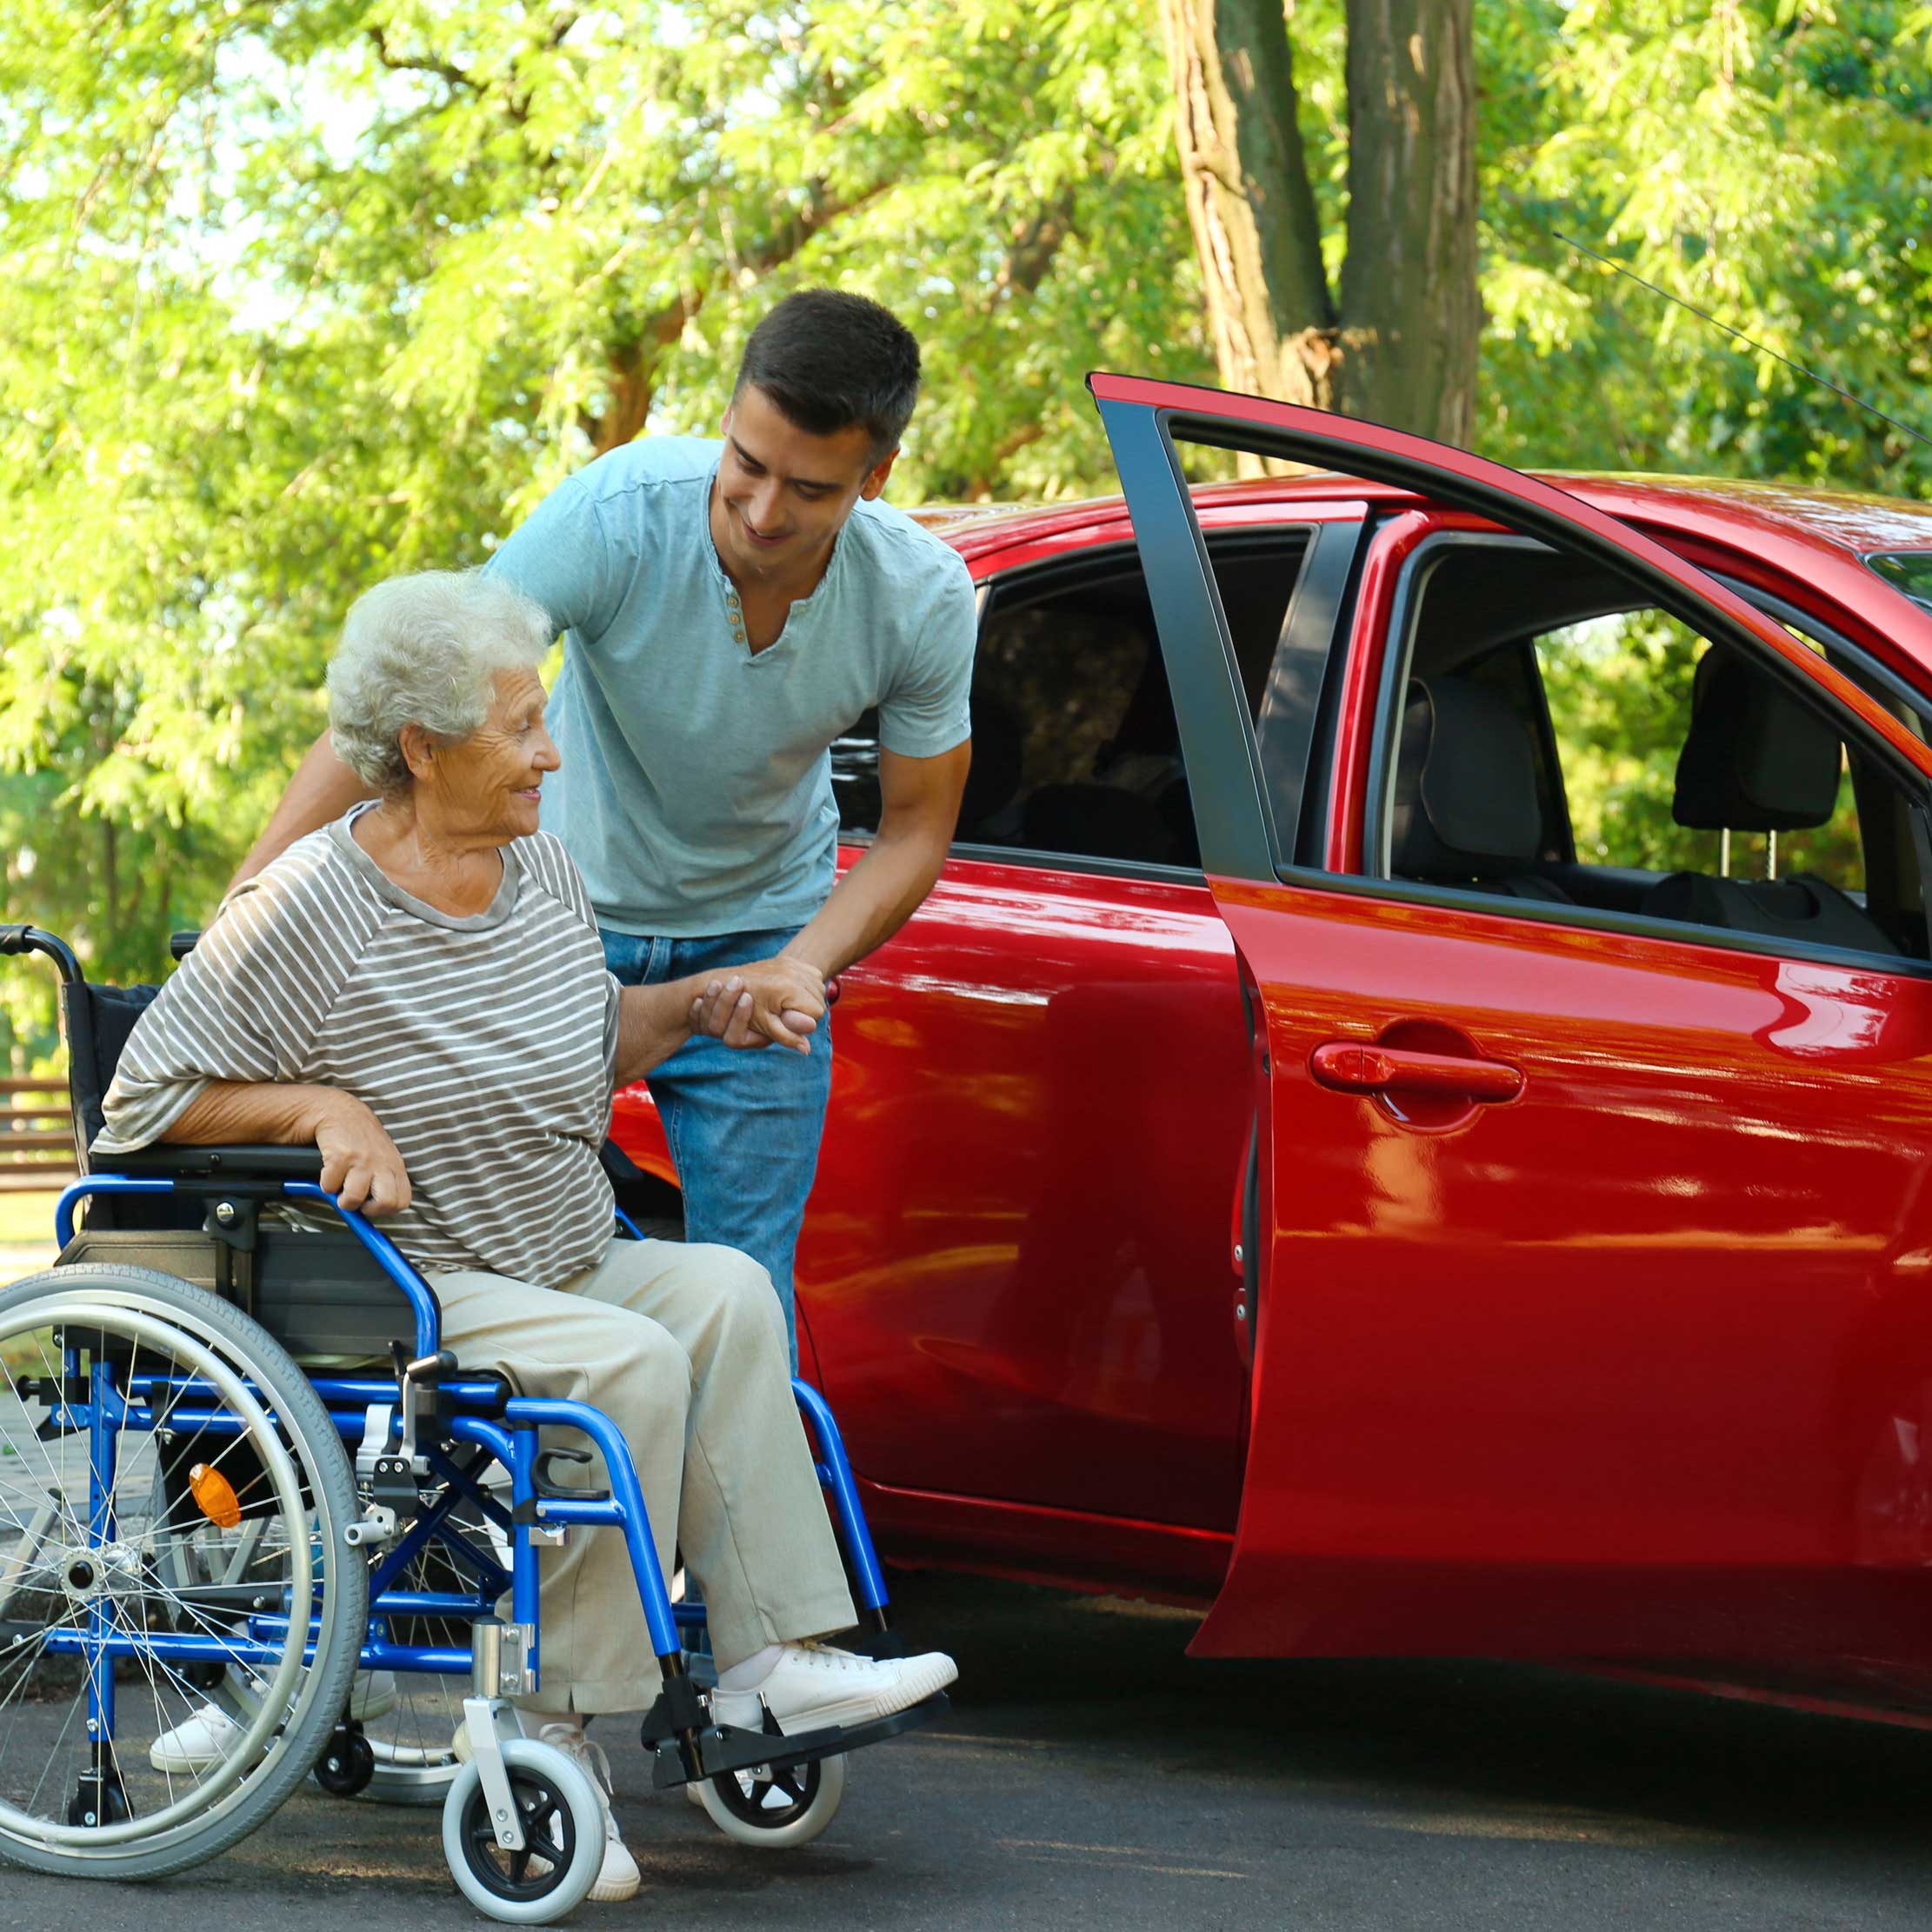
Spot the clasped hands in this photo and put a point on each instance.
(776, 1002)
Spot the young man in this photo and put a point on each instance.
(728, 608)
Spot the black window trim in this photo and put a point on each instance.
(1593, 918)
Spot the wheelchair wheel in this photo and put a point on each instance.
(116, 1615)
(562, 1850)
(408, 1719)
(413, 1738)
(776, 1807)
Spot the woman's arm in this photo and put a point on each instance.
(359, 1164)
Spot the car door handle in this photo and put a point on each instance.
(1349, 1067)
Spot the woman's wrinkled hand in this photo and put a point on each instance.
(360, 1165)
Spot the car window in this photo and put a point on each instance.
(1555, 742)
(1621, 692)
(1075, 750)
(1908, 570)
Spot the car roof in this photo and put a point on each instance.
(1815, 537)
(1844, 520)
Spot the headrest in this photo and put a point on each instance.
(1465, 801)
(1754, 759)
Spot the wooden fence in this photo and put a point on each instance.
(36, 1136)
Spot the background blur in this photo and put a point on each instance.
(294, 296)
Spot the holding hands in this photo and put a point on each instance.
(776, 1002)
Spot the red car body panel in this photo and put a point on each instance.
(1635, 1363)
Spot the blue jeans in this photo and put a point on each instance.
(742, 1125)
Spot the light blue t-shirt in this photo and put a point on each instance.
(696, 792)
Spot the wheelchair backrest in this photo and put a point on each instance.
(98, 1019)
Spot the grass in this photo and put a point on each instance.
(27, 1218)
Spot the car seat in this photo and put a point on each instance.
(1466, 810)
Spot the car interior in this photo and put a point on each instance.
(1478, 797)
(1075, 750)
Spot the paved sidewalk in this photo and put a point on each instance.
(1092, 1776)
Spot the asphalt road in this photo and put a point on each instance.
(1092, 1776)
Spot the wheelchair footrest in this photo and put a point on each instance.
(722, 1748)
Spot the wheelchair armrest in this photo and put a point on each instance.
(236, 1163)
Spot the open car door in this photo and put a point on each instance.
(1590, 1261)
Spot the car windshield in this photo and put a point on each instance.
(1909, 571)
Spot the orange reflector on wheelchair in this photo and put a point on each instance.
(214, 1495)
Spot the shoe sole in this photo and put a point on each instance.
(869, 1708)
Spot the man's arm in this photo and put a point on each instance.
(918, 809)
(323, 789)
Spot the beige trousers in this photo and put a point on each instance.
(684, 1348)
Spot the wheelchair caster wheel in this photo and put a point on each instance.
(100, 1801)
(776, 1807)
(562, 1822)
(346, 1765)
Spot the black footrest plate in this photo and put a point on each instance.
(727, 1748)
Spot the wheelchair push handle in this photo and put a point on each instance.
(32, 939)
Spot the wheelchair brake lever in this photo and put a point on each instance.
(412, 1378)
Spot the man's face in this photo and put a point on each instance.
(782, 493)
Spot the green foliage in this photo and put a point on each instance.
(299, 293)
(1769, 161)
(300, 296)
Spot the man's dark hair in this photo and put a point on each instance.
(829, 361)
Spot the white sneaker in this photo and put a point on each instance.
(618, 1877)
(205, 1737)
(459, 1743)
(373, 1694)
(202, 1738)
(813, 1685)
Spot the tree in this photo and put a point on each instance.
(1769, 160)
(299, 293)
(300, 296)
(1398, 344)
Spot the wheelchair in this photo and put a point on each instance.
(239, 1469)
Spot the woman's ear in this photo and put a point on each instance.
(418, 750)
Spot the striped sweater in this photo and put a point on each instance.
(486, 1045)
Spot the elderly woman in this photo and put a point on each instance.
(419, 991)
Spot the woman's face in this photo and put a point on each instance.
(487, 786)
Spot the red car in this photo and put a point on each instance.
(1408, 1117)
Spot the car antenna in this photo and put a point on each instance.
(1823, 381)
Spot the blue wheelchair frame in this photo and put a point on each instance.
(503, 1429)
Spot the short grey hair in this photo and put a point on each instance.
(422, 649)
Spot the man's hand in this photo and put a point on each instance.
(360, 1165)
(771, 1002)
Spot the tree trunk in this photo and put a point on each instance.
(1402, 348)
(1255, 230)
(1411, 315)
